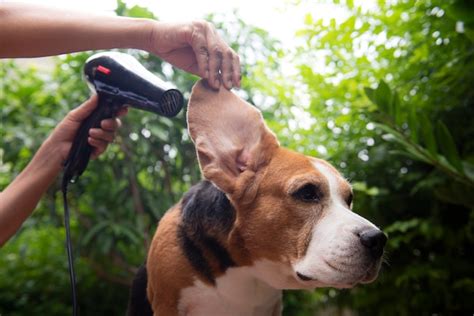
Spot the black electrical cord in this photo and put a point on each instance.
(74, 166)
(70, 259)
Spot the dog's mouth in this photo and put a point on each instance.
(343, 279)
(303, 277)
(372, 273)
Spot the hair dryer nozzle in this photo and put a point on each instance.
(121, 77)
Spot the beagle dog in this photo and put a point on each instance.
(264, 219)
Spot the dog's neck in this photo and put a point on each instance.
(236, 292)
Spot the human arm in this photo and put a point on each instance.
(34, 31)
(20, 198)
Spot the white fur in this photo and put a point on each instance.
(239, 292)
(334, 256)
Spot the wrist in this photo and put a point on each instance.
(146, 38)
(48, 159)
(42, 170)
(124, 32)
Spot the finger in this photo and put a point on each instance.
(84, 110)
(99, 146)
(215, 60)
(236, 74)
(200, 48)
(186, 59)
(227, 68)
(111, 124)
(123, 111)
(97, 152)
(100, 134)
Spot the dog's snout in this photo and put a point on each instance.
(374, 240)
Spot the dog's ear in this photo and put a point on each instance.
(232, 141)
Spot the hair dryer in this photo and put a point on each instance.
(119, 80)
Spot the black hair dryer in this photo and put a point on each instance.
(119, 80)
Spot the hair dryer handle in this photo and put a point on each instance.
(80, 152)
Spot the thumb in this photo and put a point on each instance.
(84, 110)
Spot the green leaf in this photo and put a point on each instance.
(447, 145)
(469, 30)
(402, 226)
(94, 231)
(308, 19)
(428, 134)
(140, 12)
(383, 97)
(455, 193)
(396, 109)
(370, 93)
(412, 151)
(417, 155)
(413, 124)
(132, 236)
(462, 10)
(397, 136)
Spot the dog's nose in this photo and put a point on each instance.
(374, 240)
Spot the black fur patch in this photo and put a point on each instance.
(138, 304)
(205, 208)
(219, 252)
(206, 215)
(195, 255)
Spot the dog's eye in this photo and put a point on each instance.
(349, 199)
(308, 193)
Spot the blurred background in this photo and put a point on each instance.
(384, 90)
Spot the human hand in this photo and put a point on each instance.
(197, 48)
(63, 135)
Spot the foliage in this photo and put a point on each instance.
(383, 93)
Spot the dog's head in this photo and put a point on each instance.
(293, 212)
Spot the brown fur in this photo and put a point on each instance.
(167, 265)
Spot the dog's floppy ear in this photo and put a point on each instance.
(231, 138)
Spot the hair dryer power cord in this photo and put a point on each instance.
(70, 259)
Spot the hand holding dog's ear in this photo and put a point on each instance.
(230, 135)
(196, 47)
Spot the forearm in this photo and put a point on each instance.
(34, 31)
(20, 198)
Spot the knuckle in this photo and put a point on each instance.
(198, 33)
(199, 25)
(236, 60)
(217, 50)
(198, 38)
(188, 28)
(210, 26)
(203, 50)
